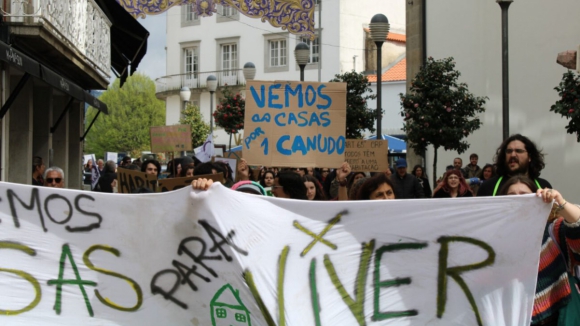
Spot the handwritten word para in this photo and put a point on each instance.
(308, 96)
(183, 272)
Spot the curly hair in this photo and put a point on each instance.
(536, 156)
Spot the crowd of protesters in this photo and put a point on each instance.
(516, 170)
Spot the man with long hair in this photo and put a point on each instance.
(516, 155)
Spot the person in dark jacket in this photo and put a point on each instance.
(406, 185)
(419, 173)
(109, 175)
(516, 155)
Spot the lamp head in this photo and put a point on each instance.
(249, 71)
(185, 94)
(379, 27)
(211, 82)
(302, 53)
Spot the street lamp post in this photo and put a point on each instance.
(302, 54)
(504, 4)
(249, 71)
(379, 28)
(211, 87)
(185, 95)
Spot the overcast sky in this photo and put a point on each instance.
(153, 64)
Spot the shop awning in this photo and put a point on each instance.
(19, 60)
(128, 39)
(31, 67)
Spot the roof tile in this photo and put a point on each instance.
(397, 73)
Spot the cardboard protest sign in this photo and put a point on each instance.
(222, 257)
(171, 184)
(367, 155)
(130, 180)
(295, 124)
(170, 138)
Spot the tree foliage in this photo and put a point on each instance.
(568, 105)
(439, 110)
(229, 113)
(132, 110)
(199, 129)
(358, 116)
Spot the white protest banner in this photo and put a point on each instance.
(295, 124)
(221, 257)
(205, 152)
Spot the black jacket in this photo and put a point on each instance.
(488, 186)
(407, 187)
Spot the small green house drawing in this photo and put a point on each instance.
(227, 308)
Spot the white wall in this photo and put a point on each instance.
(392, 122)
(470, 31)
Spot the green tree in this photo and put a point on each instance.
(199, 129)
(230, 112)
(439, 111)
(132, 110)
(358, 116)
(568, 105)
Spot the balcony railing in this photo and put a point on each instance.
(197, 80)
(78, 23)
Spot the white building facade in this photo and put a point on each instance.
(470, 31)
(220, 45)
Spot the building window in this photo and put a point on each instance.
(229, 56)
(314, 49)
(190, 63)
(278, 53)
(226, 13)
(189, 15)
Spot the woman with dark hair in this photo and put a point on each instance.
(289, 184)
(105, 183)
(37, 171)
(188, 170)
(354, 177)
(313, 188)
(453, 185)
(420, 174)
(560, 246)
(267, 179)
(378, 187)
(486, 173)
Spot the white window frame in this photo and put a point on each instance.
(194, 51)
(226, 14)
(283, 53)
(189, 16)
(233, 63)
(277, 49)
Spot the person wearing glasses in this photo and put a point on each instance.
(516, 155)
(54, 177)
